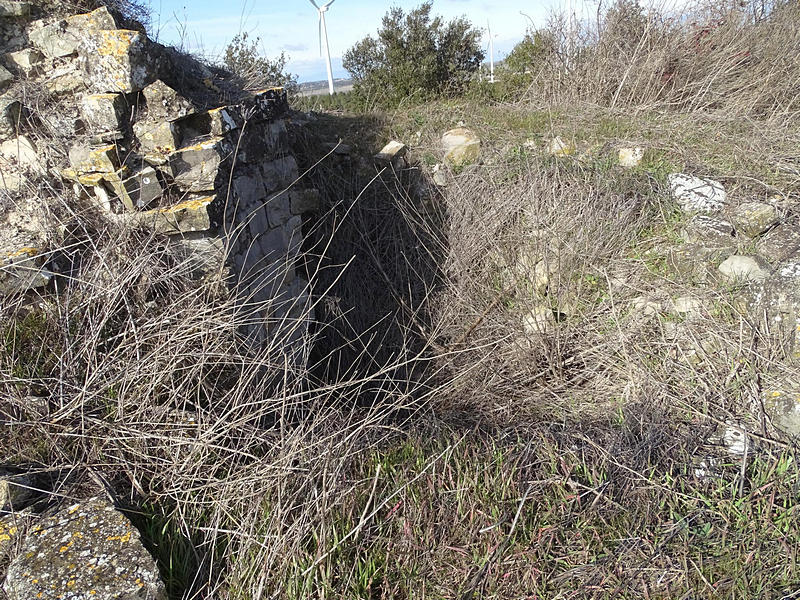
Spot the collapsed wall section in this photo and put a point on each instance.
(153, 140)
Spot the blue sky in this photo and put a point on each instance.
(206, 26)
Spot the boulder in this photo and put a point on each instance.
(754, 218)
(740, 269)
(461, 147)
(86, 551)
(696, 195)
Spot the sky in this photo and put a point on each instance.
(290, 26)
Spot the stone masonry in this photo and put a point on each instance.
(217, 179)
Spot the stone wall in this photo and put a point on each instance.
(156, 139)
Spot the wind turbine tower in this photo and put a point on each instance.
(491, 53)
(323, 34)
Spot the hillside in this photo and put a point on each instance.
(545, 345)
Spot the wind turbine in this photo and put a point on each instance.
(491, 53)
(323, 33)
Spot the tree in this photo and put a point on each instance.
(415, 56)
(244, 59)
(535, 47)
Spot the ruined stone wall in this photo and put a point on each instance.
(155, 139)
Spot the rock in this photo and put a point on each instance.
(735, 440)
(6, 78)
(12, 527)
(391, 155)
(187, 216)
(104, 159)
(87, 551)
(630, 157)
(195, 169)
(780, 244)
(695, 195)
(20, 152)
(203, 256)
(18, 491)
(11, 9)
(646, 306)
(713, 232)
(687, 305)
(558, 147)
(157, 139)
(754, 218)
(143, 188)
(22, 270)
(10, 116)
(279, 174)
(215, 123)
(304, 201)
(23, 62)
(63, 38)
(118, 60)
(104, 112)
(163, 102)
(439, 175)
(744, 269)
(461, 147)
(539, 320)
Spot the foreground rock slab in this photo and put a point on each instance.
(89, 551)
(461, 147)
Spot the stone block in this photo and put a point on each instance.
(118, 60)
(104, 159)
(216, 123)
(304, 201)
(165, 103)
(143, 188)
(65, 36)
(279, 174)
(22, 269)
(11, 9)
(104, 112)
(713, 232)
(203, 256)
(88, 550)
(391, 155)
(196, 168)
(18, 491)
(741, 269)
(157, 139)
(187, 216)
(278, 209)
(23, 62)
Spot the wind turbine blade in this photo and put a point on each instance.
(329, 3)
(314, 3)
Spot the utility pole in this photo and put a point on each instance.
(491, 53)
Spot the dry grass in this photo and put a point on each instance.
(433, 447)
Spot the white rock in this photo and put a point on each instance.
(630, 157)
(538, 320)
(742, 268)
(694, 194)
(558, 147)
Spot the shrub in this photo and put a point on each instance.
(416, 56)
(244, 59)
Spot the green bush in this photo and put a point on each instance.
(244, 59)
(415, 56)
